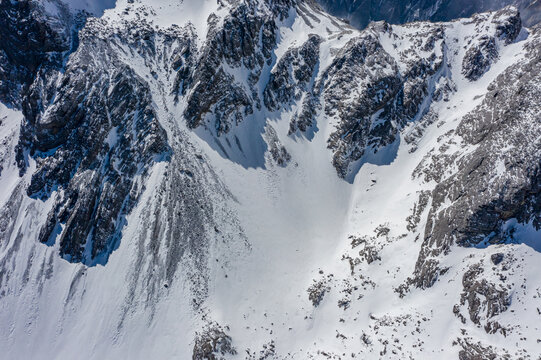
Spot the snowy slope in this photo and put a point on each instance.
(247, 238)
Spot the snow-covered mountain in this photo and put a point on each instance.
(256, 179)
(360, 12)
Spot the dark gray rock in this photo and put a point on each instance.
(479, 57)
(418, 209)
(508, 24)
(484, 51)
(212, 344)
(31, 45)
(484, 299)
(235, 43)
(292, 75)
(362, 60)
(277, 151)
(497, 258)
(498, 181)
(361, 12)
(381, 97)
(318, 289)
(476, 351)
(304, 119)
(91, 140)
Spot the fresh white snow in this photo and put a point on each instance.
(297, 221)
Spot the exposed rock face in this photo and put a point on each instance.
(361, 13)
(363, 60)
(32, 45)
(484, 52)
(92, 127)
(119, 115)
(304, 119)
(98, 133)
(484, 299)
(479, 57)
(495, 182)
(318, 289)
(476, 351)
(293, 77)
(293, 74)
(278, 153)
(508, 24)
(234, 44)
(213, 344)
(391, 91)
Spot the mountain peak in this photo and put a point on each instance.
(361, 12)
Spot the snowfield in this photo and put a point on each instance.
(289, 261)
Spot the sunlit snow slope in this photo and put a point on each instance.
(227, 179)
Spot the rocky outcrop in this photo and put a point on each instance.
(384, 92)
(278, 153)
(484, 51)
(32, 44)
(477, 351)
(292, 75)
(362, 64)
(484, 299)
(317, 290)
(304, 118)
(508, 24)
(292, 81)
(234, 44)
(92, 128)
(479, 57)
(213, 344)
(98, 134)
(92, 131)
(500, 179)
(361, 13)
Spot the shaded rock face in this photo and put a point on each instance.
(292, 78)
(361, 13)
(386, 85)
(480, 56)
(293, 74)
(213, 344)
(362, 60)
(244, 41)
(385, 88)
(508, 24)
(31, 44)
(90, 122)
(498, 181)
(392, 91)
(91, 143)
